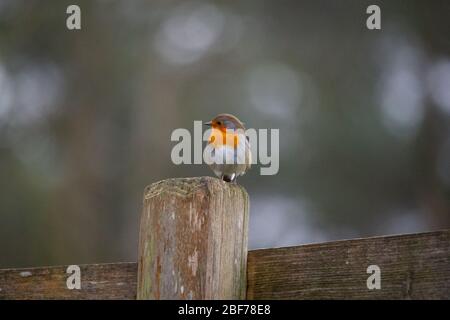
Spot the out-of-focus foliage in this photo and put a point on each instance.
(86, 117)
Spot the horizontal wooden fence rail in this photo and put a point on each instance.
(415, 266)
(98, 281)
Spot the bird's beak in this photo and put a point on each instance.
(207, 123)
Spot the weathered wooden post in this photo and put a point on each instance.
(193, 240)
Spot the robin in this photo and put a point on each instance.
(229, 154)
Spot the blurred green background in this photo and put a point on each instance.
(86, 117)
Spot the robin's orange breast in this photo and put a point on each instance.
(221, 137)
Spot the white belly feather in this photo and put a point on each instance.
(226, 160)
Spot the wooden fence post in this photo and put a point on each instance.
(193, 240)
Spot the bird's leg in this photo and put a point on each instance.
(227, 178)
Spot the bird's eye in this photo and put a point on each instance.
(219, 123)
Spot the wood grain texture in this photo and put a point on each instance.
(98, 281)
(193, 240)
(415, 266)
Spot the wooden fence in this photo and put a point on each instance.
(193, 245)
